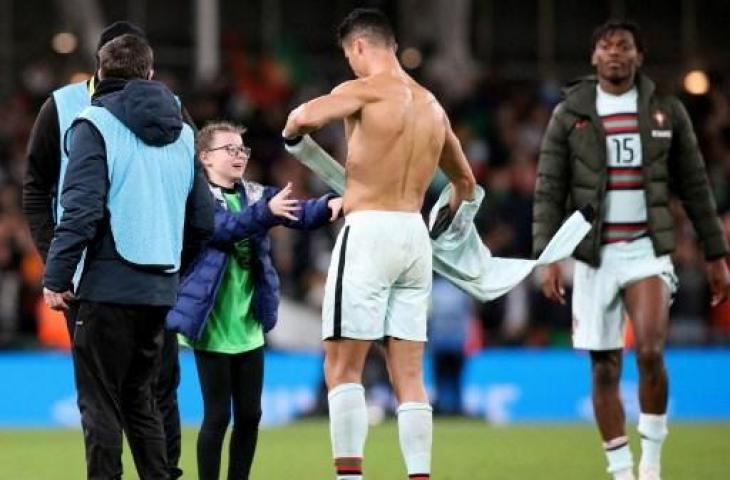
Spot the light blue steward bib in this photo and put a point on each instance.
(70, 101)
(148, 189)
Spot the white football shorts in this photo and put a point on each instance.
(379, 279)
(598, 309)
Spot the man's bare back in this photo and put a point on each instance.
(394, 143)
(398, 134)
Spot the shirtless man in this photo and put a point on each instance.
(379, 281)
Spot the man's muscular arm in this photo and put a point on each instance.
(454, 164)
(344, 100)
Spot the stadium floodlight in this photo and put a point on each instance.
(64, 43)
(411, 58)
(696, 82)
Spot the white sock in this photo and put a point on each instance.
(627, 474)
(653, 430)
(415, 425)
(348, 427)
(620, 462)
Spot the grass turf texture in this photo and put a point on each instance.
(463, 449)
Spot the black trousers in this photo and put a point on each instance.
(117, 353)
(448, 367)
(165, 392)
(70, 316)
(224, 380)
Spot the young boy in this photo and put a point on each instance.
(229, 296)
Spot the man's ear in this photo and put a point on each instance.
(639, 60)
(99, 74)
(594, 58)
(359, 44)
(151, 74)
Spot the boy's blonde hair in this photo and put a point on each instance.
(205, 135)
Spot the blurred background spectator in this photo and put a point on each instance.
(449, 324)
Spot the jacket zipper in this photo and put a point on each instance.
(643, 138)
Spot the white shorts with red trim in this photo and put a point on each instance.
(598, 308)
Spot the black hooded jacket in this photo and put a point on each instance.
(151, 112)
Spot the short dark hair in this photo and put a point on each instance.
(607, 29)
(128, 56)
(369, 22)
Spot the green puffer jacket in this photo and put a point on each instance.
(572, 171)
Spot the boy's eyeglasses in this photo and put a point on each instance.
(234, 150)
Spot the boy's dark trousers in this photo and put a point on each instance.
(116, 353)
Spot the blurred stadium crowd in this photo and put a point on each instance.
(500, 123)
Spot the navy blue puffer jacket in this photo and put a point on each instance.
(199, 286)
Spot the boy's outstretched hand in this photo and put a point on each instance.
(283, 206)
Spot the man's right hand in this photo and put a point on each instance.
(56, 300)
(551, 280)
(291, 129)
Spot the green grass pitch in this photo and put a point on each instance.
(463, 450)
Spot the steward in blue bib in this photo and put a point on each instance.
(130, 174)
(101, 192)
(46, 159)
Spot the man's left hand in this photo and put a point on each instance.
(719, 278)
(56, 300)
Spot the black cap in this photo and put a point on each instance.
(117, 29)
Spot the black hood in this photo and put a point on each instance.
(147, 107)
